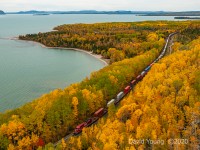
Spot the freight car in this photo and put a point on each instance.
(98, 114)
(101, 112)
(139, 77)
(79, 128)
(127, 89)
(120, 95)
(148, 68)
(133, 83)
(143, 73)
(110, 102)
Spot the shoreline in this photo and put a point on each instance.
(99, 57)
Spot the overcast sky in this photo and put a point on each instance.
(65, 5)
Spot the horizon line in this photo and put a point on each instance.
(103, 10)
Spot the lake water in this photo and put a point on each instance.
(28, 70)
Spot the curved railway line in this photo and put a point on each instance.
(102, 111)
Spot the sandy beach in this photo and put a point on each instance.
(99, 57)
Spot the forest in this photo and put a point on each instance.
(163, 108)
(131, 47)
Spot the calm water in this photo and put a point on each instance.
(27, 70)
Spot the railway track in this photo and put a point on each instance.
(138, 78)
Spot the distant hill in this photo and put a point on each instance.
(1, 12)
(76, 12)
(142, 13)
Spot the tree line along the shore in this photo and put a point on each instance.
(114, 41)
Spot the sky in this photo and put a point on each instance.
(133, 5)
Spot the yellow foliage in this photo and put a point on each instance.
(64, 145)
(152, 37)
(113, 79)
(75, 103)
(153, 111)
(109, 146)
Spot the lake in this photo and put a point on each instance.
(28, 70)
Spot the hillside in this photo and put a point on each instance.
(163, 111)
(54, 115)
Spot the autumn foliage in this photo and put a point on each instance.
(164, 105)
(116, 41)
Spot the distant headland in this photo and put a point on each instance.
(1, 12)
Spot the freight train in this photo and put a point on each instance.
(102, 111)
